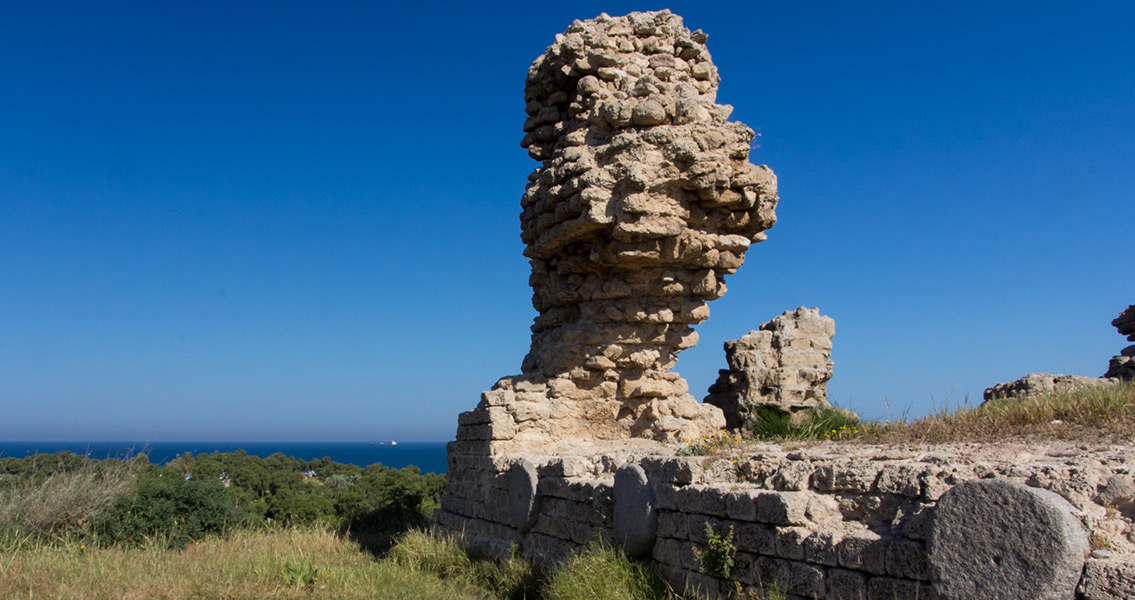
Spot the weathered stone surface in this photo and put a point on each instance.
(786, 364)
(1112, 579)
(643, 203)
(1035, 384)
(636, 521)
(522, 498)
(996, 538)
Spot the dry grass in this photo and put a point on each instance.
(1099, 415)
(246, 564)
(64, 505)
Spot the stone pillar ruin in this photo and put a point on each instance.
(643, 201)
(785, 365)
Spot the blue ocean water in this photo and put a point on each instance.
(427, 456)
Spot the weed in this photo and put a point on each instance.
(302, 575)
(709, 445)
(716, 559)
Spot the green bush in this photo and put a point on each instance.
(170, 509)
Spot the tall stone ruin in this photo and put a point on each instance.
(643, 202)
(785, 365)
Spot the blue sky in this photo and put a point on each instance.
(298, 221)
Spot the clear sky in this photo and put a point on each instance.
(298, 221)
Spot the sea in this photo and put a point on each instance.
(429, 457)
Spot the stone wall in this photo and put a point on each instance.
(785, 364)
(850, 522)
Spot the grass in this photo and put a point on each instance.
(244, 564)
(1099, 415)
(64, 505)
(602, 573)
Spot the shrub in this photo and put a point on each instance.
(171, 509)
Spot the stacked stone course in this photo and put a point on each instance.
(822, 522)
(785, 365)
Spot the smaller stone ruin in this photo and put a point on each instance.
(785, 365)
(1123, 366)
(1120, 368)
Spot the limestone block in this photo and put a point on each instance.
(805, 580)
(742, 505)
(790, 542)
(863, 551)
(846, 585)
(755, 538)
(1030, 542)
(667, 551)
(636, 520)
(782, 508)
(522, 498)
(820, 548)
(899, 479)
(907, 559)
(854, 476)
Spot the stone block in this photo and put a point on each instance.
(852, 476)
(793, 476)
(782, 508)
(901, 479)
(667, 551)
(790, 542)
(991, 535)
(912, 520)
(887, 588)
(755, 538)
(522, 498)
(863, 551)
(805, 580)
(636, 520)
(820, 548)
(907, 559)
(772, 572)
(742, 505)
(846, 585)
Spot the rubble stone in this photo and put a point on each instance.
(1035, 384)
(1123, 366)
(786, 365)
